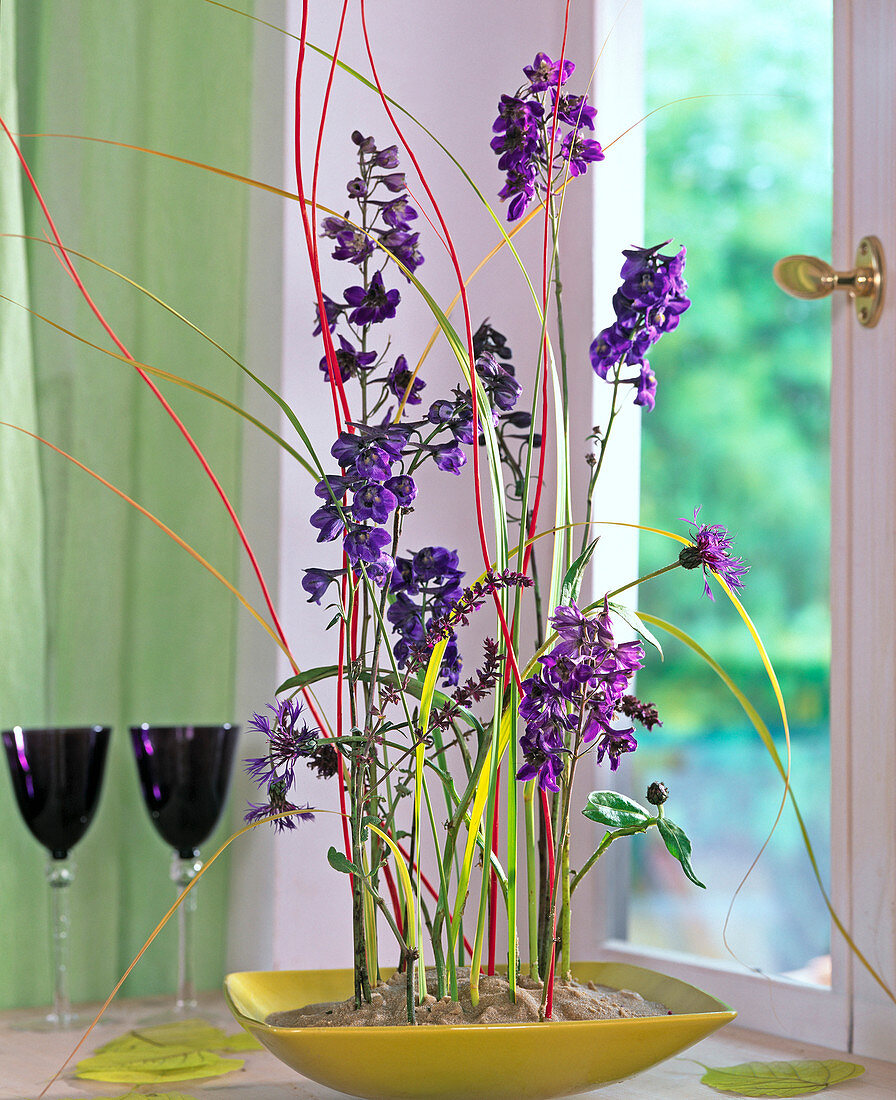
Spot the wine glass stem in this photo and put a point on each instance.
(183, 871)
(60, 873)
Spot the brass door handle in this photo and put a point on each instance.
(809, 277)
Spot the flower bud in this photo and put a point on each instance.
(657, 793)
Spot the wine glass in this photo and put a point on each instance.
(56, 776)
(184, 774)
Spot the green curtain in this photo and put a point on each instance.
(102, 617)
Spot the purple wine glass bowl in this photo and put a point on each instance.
(184, 774)
(57, 773)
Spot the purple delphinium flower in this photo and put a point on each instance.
(614, 743)
(710, 548)
(333, 311)
(365, 544)
(329, 523)
(448, 457)
(534, 125)
(373, 303)
(576, 695)
(399, 381)
(499, 383)
(649, 302)
(579, 152)
(426, 587)
(350, 361)
(374, 502)
(404, 488)
(317, 581)
(544, 73)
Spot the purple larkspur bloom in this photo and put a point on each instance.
(649, 302)
(577, 694)
(407, 617)
(365, 144)
(710, 548)
(435, 562)
(365, 544)
(574, 110)
(448, 457)
(365, 456)
(543, 754)
(356, 188)
(334, 487)
(373, 501)
(401, 380)
(404, 488)
(387, 158)
(613, 744)
(544, 73)
(329, 523)
(333, 311)
(398, 212)
(579, 152)
(317, 581)
(394, 181)
(502, 388)
(351, 362)
(646, 395)
(379, 571)
(352, 244)
(372, 304)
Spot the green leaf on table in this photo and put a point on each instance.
(339, 861)
(679, 846)
(615, 810)
(780, 1078)
(165, 1063)
(195, 1034)
(151, 1096)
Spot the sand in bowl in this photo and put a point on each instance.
(388, 1005)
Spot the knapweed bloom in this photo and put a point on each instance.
(289, 740)
(710, 548)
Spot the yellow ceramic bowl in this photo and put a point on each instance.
(476, 1062)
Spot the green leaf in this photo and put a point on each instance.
(679, 846)
(615, 810)
(572, 582)
(637, 623)
(340, 862)
(780, 1078)
(165, 1064)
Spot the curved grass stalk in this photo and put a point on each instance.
(178, 901)
(429, 685)
(69, 268)
(182, 543)
(177, 380)
(269, 391)
(763, 731)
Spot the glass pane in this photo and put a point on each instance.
(741, 429)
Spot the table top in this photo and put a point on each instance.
(28, 1060)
